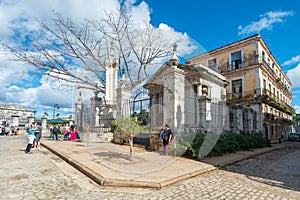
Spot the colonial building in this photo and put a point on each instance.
(259, 92)
(15, 115)
(187, 96)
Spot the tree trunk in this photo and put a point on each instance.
(131, 146)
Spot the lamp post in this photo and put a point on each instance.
(55, 106)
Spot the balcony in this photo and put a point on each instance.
(275, 119)
(260, 95)
(267, 66)
(247, 61)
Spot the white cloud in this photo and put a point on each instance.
(297, 108)
(20, 96)
(11, 72)
(294, 75)
(21, 15)
(140, 13)
(294, 60)
(185, 44)
(18, 17)
(266, 21)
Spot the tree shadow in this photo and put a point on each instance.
(111, 154)
(118, 158)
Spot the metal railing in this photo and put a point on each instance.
(261, 93)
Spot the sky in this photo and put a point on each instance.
(209, 24)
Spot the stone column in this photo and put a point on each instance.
(123, 102)
(111, 66)
(44, 123)
(204, 105)
(79, 106)
(173, 100)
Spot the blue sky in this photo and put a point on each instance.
(210, 24)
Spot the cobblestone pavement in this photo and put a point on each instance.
(42, 175)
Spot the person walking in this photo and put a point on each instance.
(166, 136)
(38, 136)
(31, 137)
(55, 131)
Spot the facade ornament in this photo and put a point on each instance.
(175, 60)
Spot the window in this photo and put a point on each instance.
(212, 64)
(254, 121)
(236, 60)
(263, 56)
(245, 120)
(237, 88)
(233, 118)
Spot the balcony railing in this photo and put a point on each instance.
(273, 118)
(247, 62)
(267, 66)
(264, 95)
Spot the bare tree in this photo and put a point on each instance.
(76, 53)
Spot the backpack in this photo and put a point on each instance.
(55, 129)
(163, 134)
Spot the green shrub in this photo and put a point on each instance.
(227, 143)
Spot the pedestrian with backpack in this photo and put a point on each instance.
(166, 136)
(55, 132)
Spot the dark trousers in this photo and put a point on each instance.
(55, 136)
(29, 146)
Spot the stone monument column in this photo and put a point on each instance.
(111, 78)
(123, 98)
(79, 113)
(44, 123)
(174, 92)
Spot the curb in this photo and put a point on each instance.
(231, 162)
(85, 170)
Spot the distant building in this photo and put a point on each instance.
(259, 92)
(15, 115)
(297, 123)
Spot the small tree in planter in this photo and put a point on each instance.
(128, 127)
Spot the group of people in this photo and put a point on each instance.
(6, 129)
(69, 133)
(34, 132)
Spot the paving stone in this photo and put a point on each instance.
(44, 176)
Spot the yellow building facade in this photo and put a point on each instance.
(259, 92)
